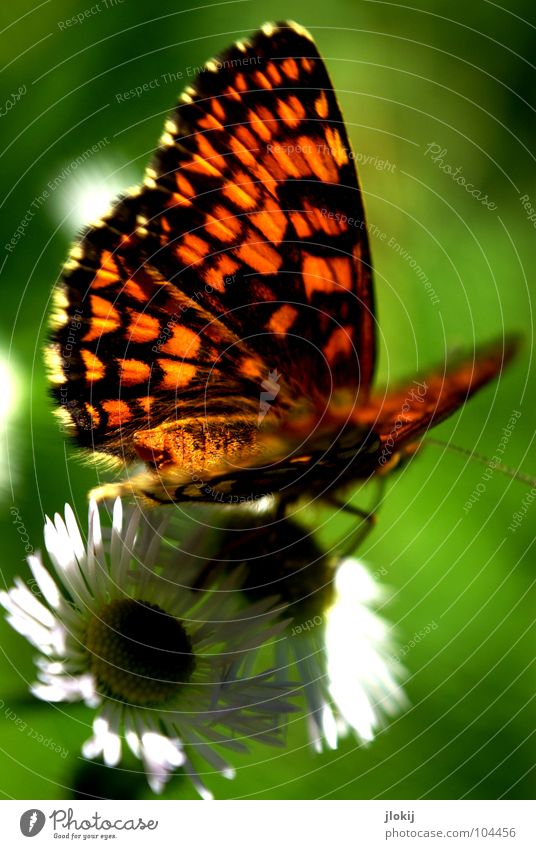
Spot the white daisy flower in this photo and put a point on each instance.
(346, 661)
(164, 665)
(343, 650)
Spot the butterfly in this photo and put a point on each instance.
(217, 326)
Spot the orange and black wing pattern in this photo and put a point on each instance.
(401, 417)
(218, 324)
(243, 256)
(351, 443)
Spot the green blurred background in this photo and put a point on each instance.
(453, 74)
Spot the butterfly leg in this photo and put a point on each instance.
(350, 543)
(368, 518)
(364, 515)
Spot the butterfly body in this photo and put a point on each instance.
(219, 324)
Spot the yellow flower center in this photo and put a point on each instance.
(139, 654)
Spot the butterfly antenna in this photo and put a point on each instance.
(515, 474)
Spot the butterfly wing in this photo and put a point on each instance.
(243, 260)
(403, 415)
(351, 443)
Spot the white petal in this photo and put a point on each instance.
(362, 679)
(60, 549)
(117, 520)
(211, 756)
(105, 741)
(353, 582)
(92, 748)
(30, 605)
(39, 636)
(46, 583)
(98, 576)
(112, 750)
(95, 535)
(116, 538)
(133, 742)
(203, 791)
(161, 750)
(61, 545)
(160, 757)
(74, 533)
(51, 693)
(329, 727)
(65, 688)
(50, 534)
(157, 781)
(55, 667)
(127, 549)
